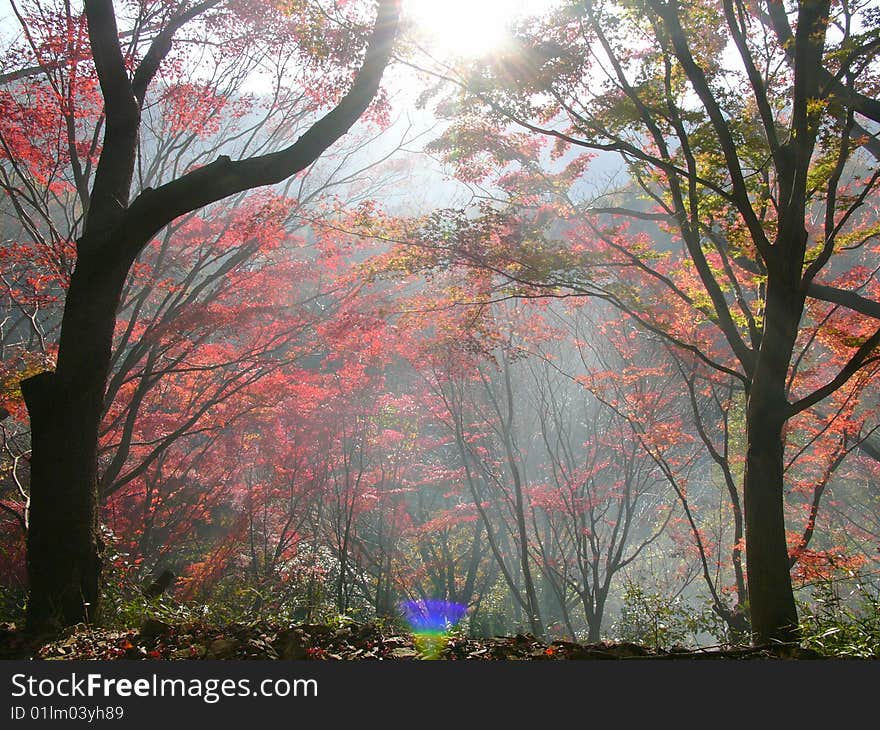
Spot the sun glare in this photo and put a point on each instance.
(468, 28)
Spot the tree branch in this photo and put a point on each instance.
(844, 298)
(154, 209)
(160, 47)
(860, 359)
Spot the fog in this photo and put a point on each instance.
(452, 361)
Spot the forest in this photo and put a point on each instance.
(553, 321)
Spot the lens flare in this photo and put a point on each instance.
(430, 622)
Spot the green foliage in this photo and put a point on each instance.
(125, 606)
(659, 621)
(236, 598)
(13, 601)
(230, 601)
(843, 618)
(492, 616)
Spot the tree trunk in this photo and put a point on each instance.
(64, 543)
(594, 628)
(771, 599)
(596, 612)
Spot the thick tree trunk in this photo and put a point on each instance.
(64, 582)
(771, 604)
(771, 599)
(64, 544)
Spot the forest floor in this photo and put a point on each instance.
(161, 641)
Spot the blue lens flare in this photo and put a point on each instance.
(433, 616)
(431, 621)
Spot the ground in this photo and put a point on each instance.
(158, 640)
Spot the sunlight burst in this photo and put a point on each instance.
(468, 28)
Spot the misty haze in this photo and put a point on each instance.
(363, 330)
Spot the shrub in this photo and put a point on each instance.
(843, 618)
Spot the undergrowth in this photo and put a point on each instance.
(843, 618)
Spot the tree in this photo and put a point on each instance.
(742, 144)
(65, 405)
(469, 371)
(602, 493)
(676, 410)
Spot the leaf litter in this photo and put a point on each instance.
(157, 640)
